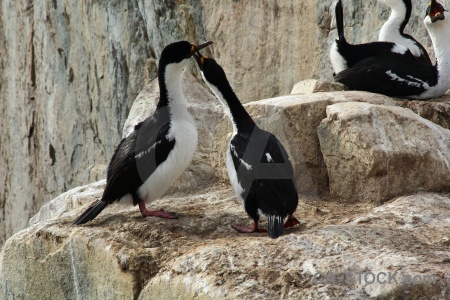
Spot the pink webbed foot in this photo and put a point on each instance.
(247, 229)
(291, 222)
(156, 213)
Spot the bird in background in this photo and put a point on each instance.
(258, 165)
(403, 76)
(344, 55)
(393, 29)
(149, 160)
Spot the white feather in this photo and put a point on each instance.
(183, 130)
(337, 60)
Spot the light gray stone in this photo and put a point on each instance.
(70, 71)
(309, 86)
(376, 152)
(199, 256)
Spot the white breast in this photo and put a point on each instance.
(179, 159)
(233, 176)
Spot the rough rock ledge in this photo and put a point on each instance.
(355, 241)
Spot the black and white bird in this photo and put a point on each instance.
(344, 55)
(258, 165)
(405, 77)
(393, 29)
(155, 154)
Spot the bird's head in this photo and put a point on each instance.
(179, 53)
(212, 72)
(435, 12)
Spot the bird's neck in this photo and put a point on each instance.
(392, 29)
(171, 93)
(240, 118)
(439, 34)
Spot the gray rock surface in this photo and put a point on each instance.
(70, 70)
(122, 255)
(376, 152)
(334, 253)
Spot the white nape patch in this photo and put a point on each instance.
(269, 158)
(223, 101)
(337, 60)
(399, 49)
(417, 83)
(139, 155)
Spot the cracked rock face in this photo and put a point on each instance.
(335, 253)
(345, 247)
(71, 70)
(377, 152)
(70, 73)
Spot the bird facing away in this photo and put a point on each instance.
(405, 77)
(155, 154)
(258, 165)
(393, 29)
(344, 55)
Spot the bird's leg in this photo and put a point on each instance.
(246, 229)
(155, 213)
(291, 222)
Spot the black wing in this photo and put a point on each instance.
(424, 57)
(265, 172)
(138, 155)
(354, 54)
(393, 76)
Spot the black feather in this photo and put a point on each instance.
(389, 75)
(275, 226)
(91, 212)
(134, 160)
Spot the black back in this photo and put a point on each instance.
(354, 53)
(389, 75)
(269, 183)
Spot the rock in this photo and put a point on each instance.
(122, 255)
(69, 200)
(314, 86)
(294, 120)
(71, 70)
(376, 152)
(436, 110)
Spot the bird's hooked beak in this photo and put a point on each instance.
(199, 59)
(196, 48)
(436, 11)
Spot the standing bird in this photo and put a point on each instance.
(344, 55)
(258, 165)
(155, 154)
(393, 29)
(404, 77)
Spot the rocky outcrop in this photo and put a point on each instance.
(339, 251)
(71, 70)
(375, 152)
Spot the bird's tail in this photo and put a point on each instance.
(91, 212)
(275, 226)
(339, 11)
